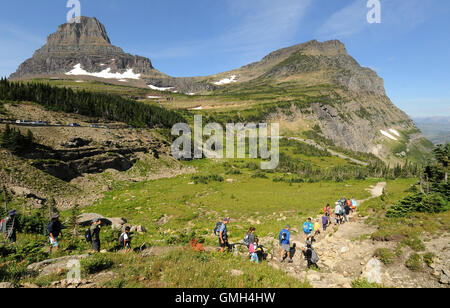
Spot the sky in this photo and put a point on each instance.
(409, 49)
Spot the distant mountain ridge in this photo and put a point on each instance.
(346, 101)
(436, 129)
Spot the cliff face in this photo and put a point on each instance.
(350, 102)
(85, 43)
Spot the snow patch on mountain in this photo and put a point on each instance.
(159, 89)
(388, 135)
(226, 81)
(77, 71)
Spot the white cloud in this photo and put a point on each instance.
(397, 17)
(256, 26)
(345, 22)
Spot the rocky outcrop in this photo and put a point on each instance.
(85, 43)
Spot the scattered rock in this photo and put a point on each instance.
(138, 229)
(373, 271)
(6, 285)
(163, 220)
(235, 272)
(117, 223)
(344, 249)
(28, 285)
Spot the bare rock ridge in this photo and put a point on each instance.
(85, 43)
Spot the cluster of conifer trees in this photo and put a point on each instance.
(110, 107)
(13, 140)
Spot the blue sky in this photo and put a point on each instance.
(410, 49)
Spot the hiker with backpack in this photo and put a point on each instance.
(326, 221)
(249, 237)
(9, 226)
(255, 252)
(125, 240)
(221, 232)
(308, 228)
(327, 209)
(338, 213)
(354, 204)
(94, 234)
(285, 243)
(346, 212)
(310, 255)
(54, 230)
(316, 227)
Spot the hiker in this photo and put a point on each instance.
(308, 227)
(325, 221)
(54, 229)
(285, 243)
(310, 255)
(316, 227)
(95, 234)
(253, 250)
(354, 204)
(125, 240)
(327, 209)
(9, 226)
(338, 213)
(222, 232)
(249, 237)
(346, 211)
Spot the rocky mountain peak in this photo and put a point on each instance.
(85, 46)
(88, 32)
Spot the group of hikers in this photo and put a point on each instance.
(9, 226)
(340, 215)
(311, 229)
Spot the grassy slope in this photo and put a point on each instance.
(198, 207)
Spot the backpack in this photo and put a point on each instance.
(314, 256)
(306, 227)
(88, 235)
(47, 230)
(216, 229)
(246, 239)
(283, 237)
(122, 240)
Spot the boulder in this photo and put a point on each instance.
(138, 229)
(87, 218)
(117, 223)
(53, 266)
(373, 271)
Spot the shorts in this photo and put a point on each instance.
(286, 247)
(54, 242)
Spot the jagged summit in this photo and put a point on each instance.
(88, 32)
(86, 45)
